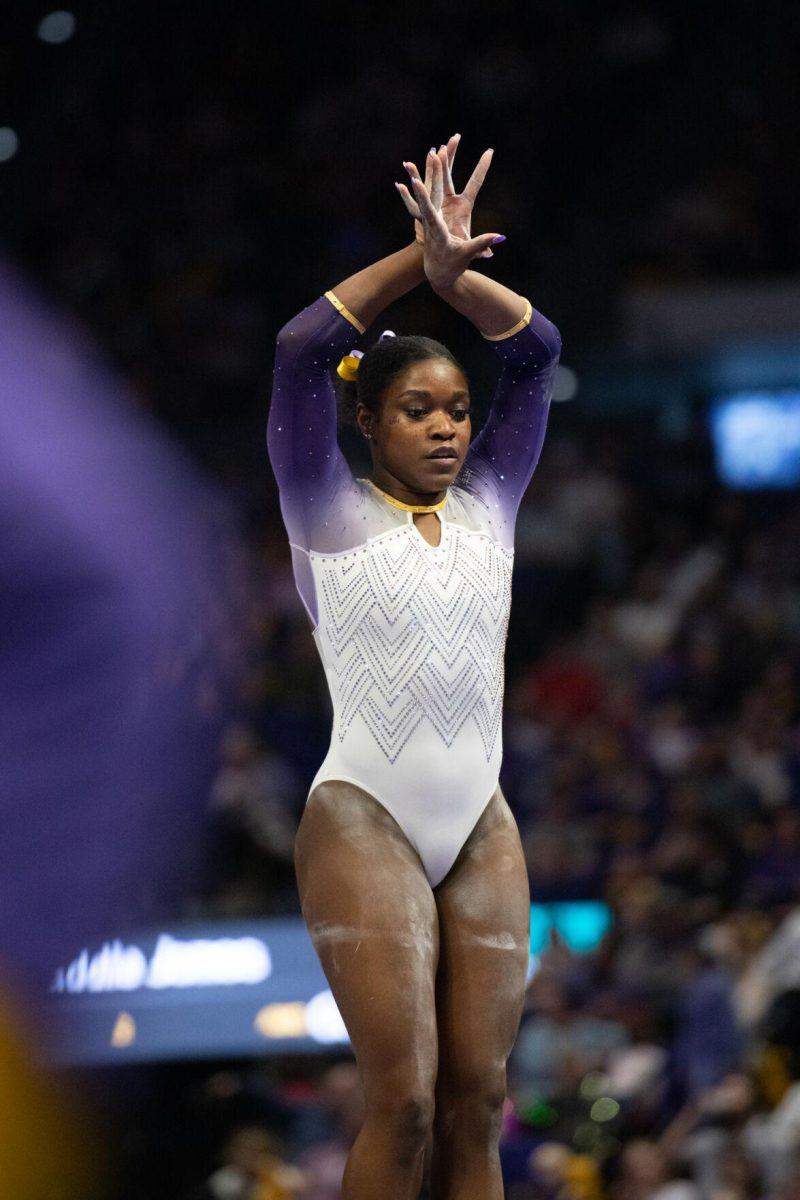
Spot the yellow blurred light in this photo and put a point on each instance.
(124, 1031)
(281, 1020)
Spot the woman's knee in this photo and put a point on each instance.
(473, 1099)
(405, 1110)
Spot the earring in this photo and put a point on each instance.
(367, 435)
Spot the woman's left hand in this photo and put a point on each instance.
(447, 254)
(456, 208)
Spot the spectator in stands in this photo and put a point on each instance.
(338, 1117)
(252, 1169)
(558, 1044)
(253, 805)
(646, 1174)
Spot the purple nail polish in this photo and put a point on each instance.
(501, 237)
(432, 150)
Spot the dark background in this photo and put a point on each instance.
(189, 175)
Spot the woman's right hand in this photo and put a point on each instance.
(447, 255)
(456, 208)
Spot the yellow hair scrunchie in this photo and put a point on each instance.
(348, 368)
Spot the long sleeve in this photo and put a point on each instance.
(502, 458)
(309, 467)
(312, 474)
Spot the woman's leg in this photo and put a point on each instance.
(372, 918)
(484, 919)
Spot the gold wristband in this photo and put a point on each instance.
(345, 312)
(500, 337)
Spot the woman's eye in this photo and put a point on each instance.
(416, 414)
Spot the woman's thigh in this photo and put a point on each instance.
(372, 918)
(484, 929)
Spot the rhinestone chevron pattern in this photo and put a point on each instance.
(416, 634)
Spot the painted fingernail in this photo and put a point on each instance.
(432, 150)
(501, 237)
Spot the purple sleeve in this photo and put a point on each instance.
(302, 428)
(502, 458)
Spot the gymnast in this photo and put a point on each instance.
(409, 865)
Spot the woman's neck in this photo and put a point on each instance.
(392, 486)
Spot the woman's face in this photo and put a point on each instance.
(422, 430)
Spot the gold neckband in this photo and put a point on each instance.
(412, 508)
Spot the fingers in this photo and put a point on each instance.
(423, 199)
(433, 185)
(452, 147)
(446, 154)
(479, 245)
(446, 161)
(428, 172)
(477, 177)
(410, 203)
(436, 187)
(405, 195)
(432, 219)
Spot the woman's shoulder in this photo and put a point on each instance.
(472, 510)
(349, 519)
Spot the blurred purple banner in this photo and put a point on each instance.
(119, 577)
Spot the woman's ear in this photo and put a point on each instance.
(364, 421)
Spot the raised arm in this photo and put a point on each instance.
(502, 458)
(302, 427)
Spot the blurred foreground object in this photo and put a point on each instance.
(118, 577)
(44, 1151)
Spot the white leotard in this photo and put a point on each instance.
(411, 636)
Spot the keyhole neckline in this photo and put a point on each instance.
(440, 518)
